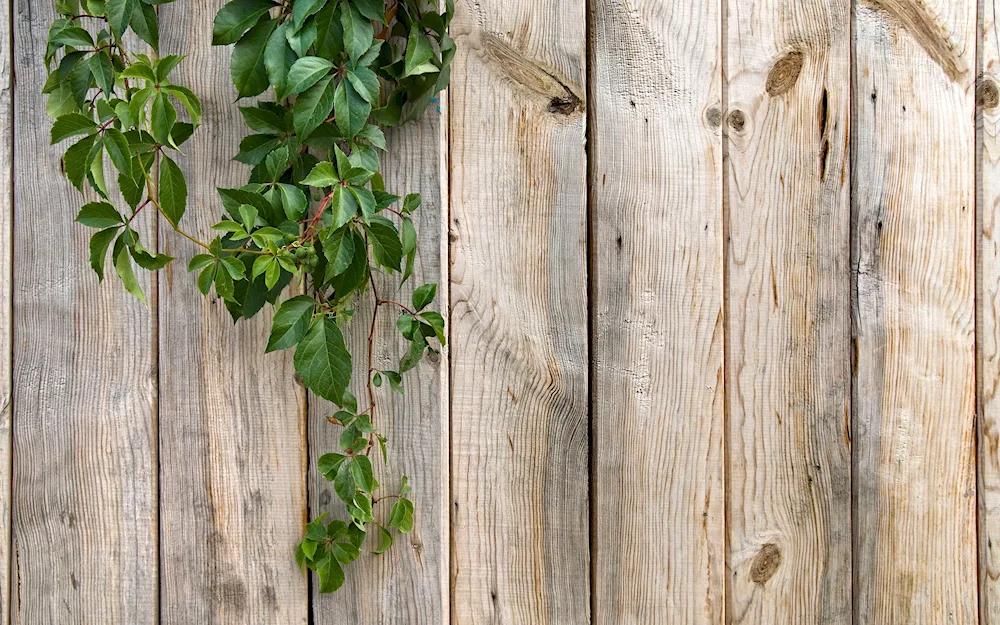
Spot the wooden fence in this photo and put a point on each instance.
(724, 284)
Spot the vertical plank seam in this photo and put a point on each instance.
(9, 564)
(447, 209)
(723, 35)
(978, 138)
(852, 299)
(589, 143)
(155, 416)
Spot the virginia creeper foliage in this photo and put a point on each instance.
(328, 77)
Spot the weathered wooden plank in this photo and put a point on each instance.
(988, 313)
(788, 383)
(409, 584)
(519, 314)
(914, 264)
(657, 241)
(233, 422)
(84, 412)
(6, 299)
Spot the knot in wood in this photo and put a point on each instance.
(766, 562)
(987, 94)
(714, 117)
(785, 73)
(737, 120)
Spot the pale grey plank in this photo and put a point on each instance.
(788, 385)
(520, 500)
(84, 412)
(913, 251)
(232, 420)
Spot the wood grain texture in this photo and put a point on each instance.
(657, 245)
(84, 411)
(6, 299)
(788, 384)
(519, 314)
(914, 264)
(409, 584)
(988, 311)
(232, 419)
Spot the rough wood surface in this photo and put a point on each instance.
(788, 355)
(914, 264)
(6, 295)
(84, 412)
(408, 584)
(519, 314)
(232, 420)
(988, 310)
(657, 246)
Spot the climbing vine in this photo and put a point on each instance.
(314, 214)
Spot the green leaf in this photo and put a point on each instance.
(123, 266)
(120, 15)
(373, 134)
(338, 247)
(72, 125)
(361, 471)
(302, 9)
(291, 322)
(345, 552)
(173, 190)
(189, 100)
(386, 246)
(305, 73)
(118, 149)
(293, 201)
(437, 323)
(423, 296)
(278, 59)
(328, 464)
(350, 109)
(418, 52)
(343, 482)
(104, 73)
(162, 118)
(99, 244)
(331, 575)
(99, 215)
(322, 360)
(411, 203)
(344, 206)
(401, 516)
(262, 120)
(372, 9)
(322, 175)
(145, 24)
(200, 261)
(365, 82)
(247, 69)
(77, 160)
(313, 107)
(236, 18)
(358, 32)
(384, 541)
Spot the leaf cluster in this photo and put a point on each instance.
(328, 77)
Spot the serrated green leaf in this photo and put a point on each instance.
(361, 471)
(103, 71)
(365, 82)
(120, 15)
(401, 516)
(99, 215)
(313, 107)
(386, 246)
(331, 575)
(145, 24)
(384, 541)
(71, 125)
(235, 18)
(305, 73)
(344, 206)
(123, 266)
(291, 322)
(418, 52)
(322, 360)
(162, 118)
(173, 190)
(118, 149)
(302, 9)
(358, 32)
(350, 109)
(247, 69)
(322, 175)
(424, 296)
(338, 247)
(99, 244)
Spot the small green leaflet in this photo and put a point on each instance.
(419, 52)
(99, 215)
(322, 360)
(358, 32)
(99, 244)
(386, 246)
(291, 322)
(350, 109)
(424, 296)
(247, 69)
(119, 15)
(305, 73)
(70, 126)
(313, 107)
(236, 18)
(401, 517)
(173, 190)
